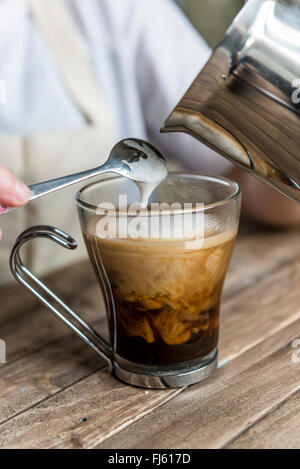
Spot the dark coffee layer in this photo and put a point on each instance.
(200, 344)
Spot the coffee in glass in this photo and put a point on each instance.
(165, 291)
(166, 297)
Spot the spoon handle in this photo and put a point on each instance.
(47, 187)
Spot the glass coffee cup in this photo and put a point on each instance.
(161, 270)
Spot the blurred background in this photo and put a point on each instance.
(211, 17)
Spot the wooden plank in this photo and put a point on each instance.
(31, 380)
(14, 300)
(30, 327)
(88, 408)
(85, 414)
(214, 413)
(38, 364)
(259, 253)
(260, 311)
(27, 326)
(249, 327)
(278, 430)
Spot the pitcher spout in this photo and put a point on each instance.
(242, 104)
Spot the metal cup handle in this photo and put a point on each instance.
(38, 289)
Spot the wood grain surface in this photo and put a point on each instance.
(56, 393)
(278, 430)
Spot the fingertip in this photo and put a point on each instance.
(12, 191)
(22, 193)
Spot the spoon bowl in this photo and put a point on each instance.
(138, 160)
(132, 158)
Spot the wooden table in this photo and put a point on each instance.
(55, 392)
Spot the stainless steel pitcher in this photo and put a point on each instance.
(245, 102)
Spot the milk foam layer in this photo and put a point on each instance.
(155, 231)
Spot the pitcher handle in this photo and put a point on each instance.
(38, 289)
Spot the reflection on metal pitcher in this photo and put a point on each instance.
(241, 104)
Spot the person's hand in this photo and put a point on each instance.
(12, 191)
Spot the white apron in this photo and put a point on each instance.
(45, 156)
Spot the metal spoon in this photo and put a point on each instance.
(132, 158)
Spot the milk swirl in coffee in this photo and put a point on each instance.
(166, 297)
